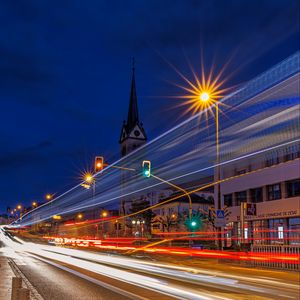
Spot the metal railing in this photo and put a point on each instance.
(270, 250)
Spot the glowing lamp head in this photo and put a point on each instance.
(204, 96)
(104, 214)
(146, 168)
(99, 164)
(193, 223)
(88, 178)
(48, 196)
(19, 206)
(79, 216)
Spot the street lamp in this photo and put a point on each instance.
(205, 98)
(48, 196)
(79, 216)
(88, 177)
(34, 204)
(104, 214)
(208, 102)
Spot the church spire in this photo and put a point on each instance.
(133, 134)
(133, 113)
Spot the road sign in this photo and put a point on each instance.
(220, 220)
(220, 214)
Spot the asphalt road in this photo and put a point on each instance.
(53, 283)
(61, 273)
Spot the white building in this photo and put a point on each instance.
(272, 183)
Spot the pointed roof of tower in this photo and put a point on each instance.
(133, 113)
(133, 128)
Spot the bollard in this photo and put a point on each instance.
(16, 285)
(23, 294)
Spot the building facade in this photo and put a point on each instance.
(272, 183)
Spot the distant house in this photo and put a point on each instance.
(170, 216)
(4, 219)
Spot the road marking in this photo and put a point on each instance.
(98, 282)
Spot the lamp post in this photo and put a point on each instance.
(206, 99)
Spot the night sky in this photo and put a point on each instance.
(65, 71)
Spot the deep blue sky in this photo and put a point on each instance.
(65, 69)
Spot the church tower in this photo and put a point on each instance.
(132, 134)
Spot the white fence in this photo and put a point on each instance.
(271, 250)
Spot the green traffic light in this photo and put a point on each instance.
(146, 168)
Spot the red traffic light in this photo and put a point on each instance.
(99, 164)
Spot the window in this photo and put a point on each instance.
(276, 233)
(256, 195)
(293, 188)
(245, 233)
(280, 232)
(274, 191)
(294, 228)
(240, 172)
(228, 200)
(241, 197)
(288, 156)
(272, 161)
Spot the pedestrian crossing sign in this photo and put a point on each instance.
(220, 214)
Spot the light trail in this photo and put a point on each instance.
(186, 282)
(197, 190)
(185, 153)
(183, 251)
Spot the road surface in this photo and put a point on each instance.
(63, 273)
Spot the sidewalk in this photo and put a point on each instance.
(6, 275)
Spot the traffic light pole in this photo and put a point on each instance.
(180, 189)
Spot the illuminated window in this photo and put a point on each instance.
(246, 233)
(280, 232)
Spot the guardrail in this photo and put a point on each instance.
(276, 249)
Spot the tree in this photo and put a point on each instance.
(166, 221)
(146, 215)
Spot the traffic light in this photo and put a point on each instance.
(146, 168)
(193, 224)
(99, 164)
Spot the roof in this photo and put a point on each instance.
(133, 112)
(184, 199)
